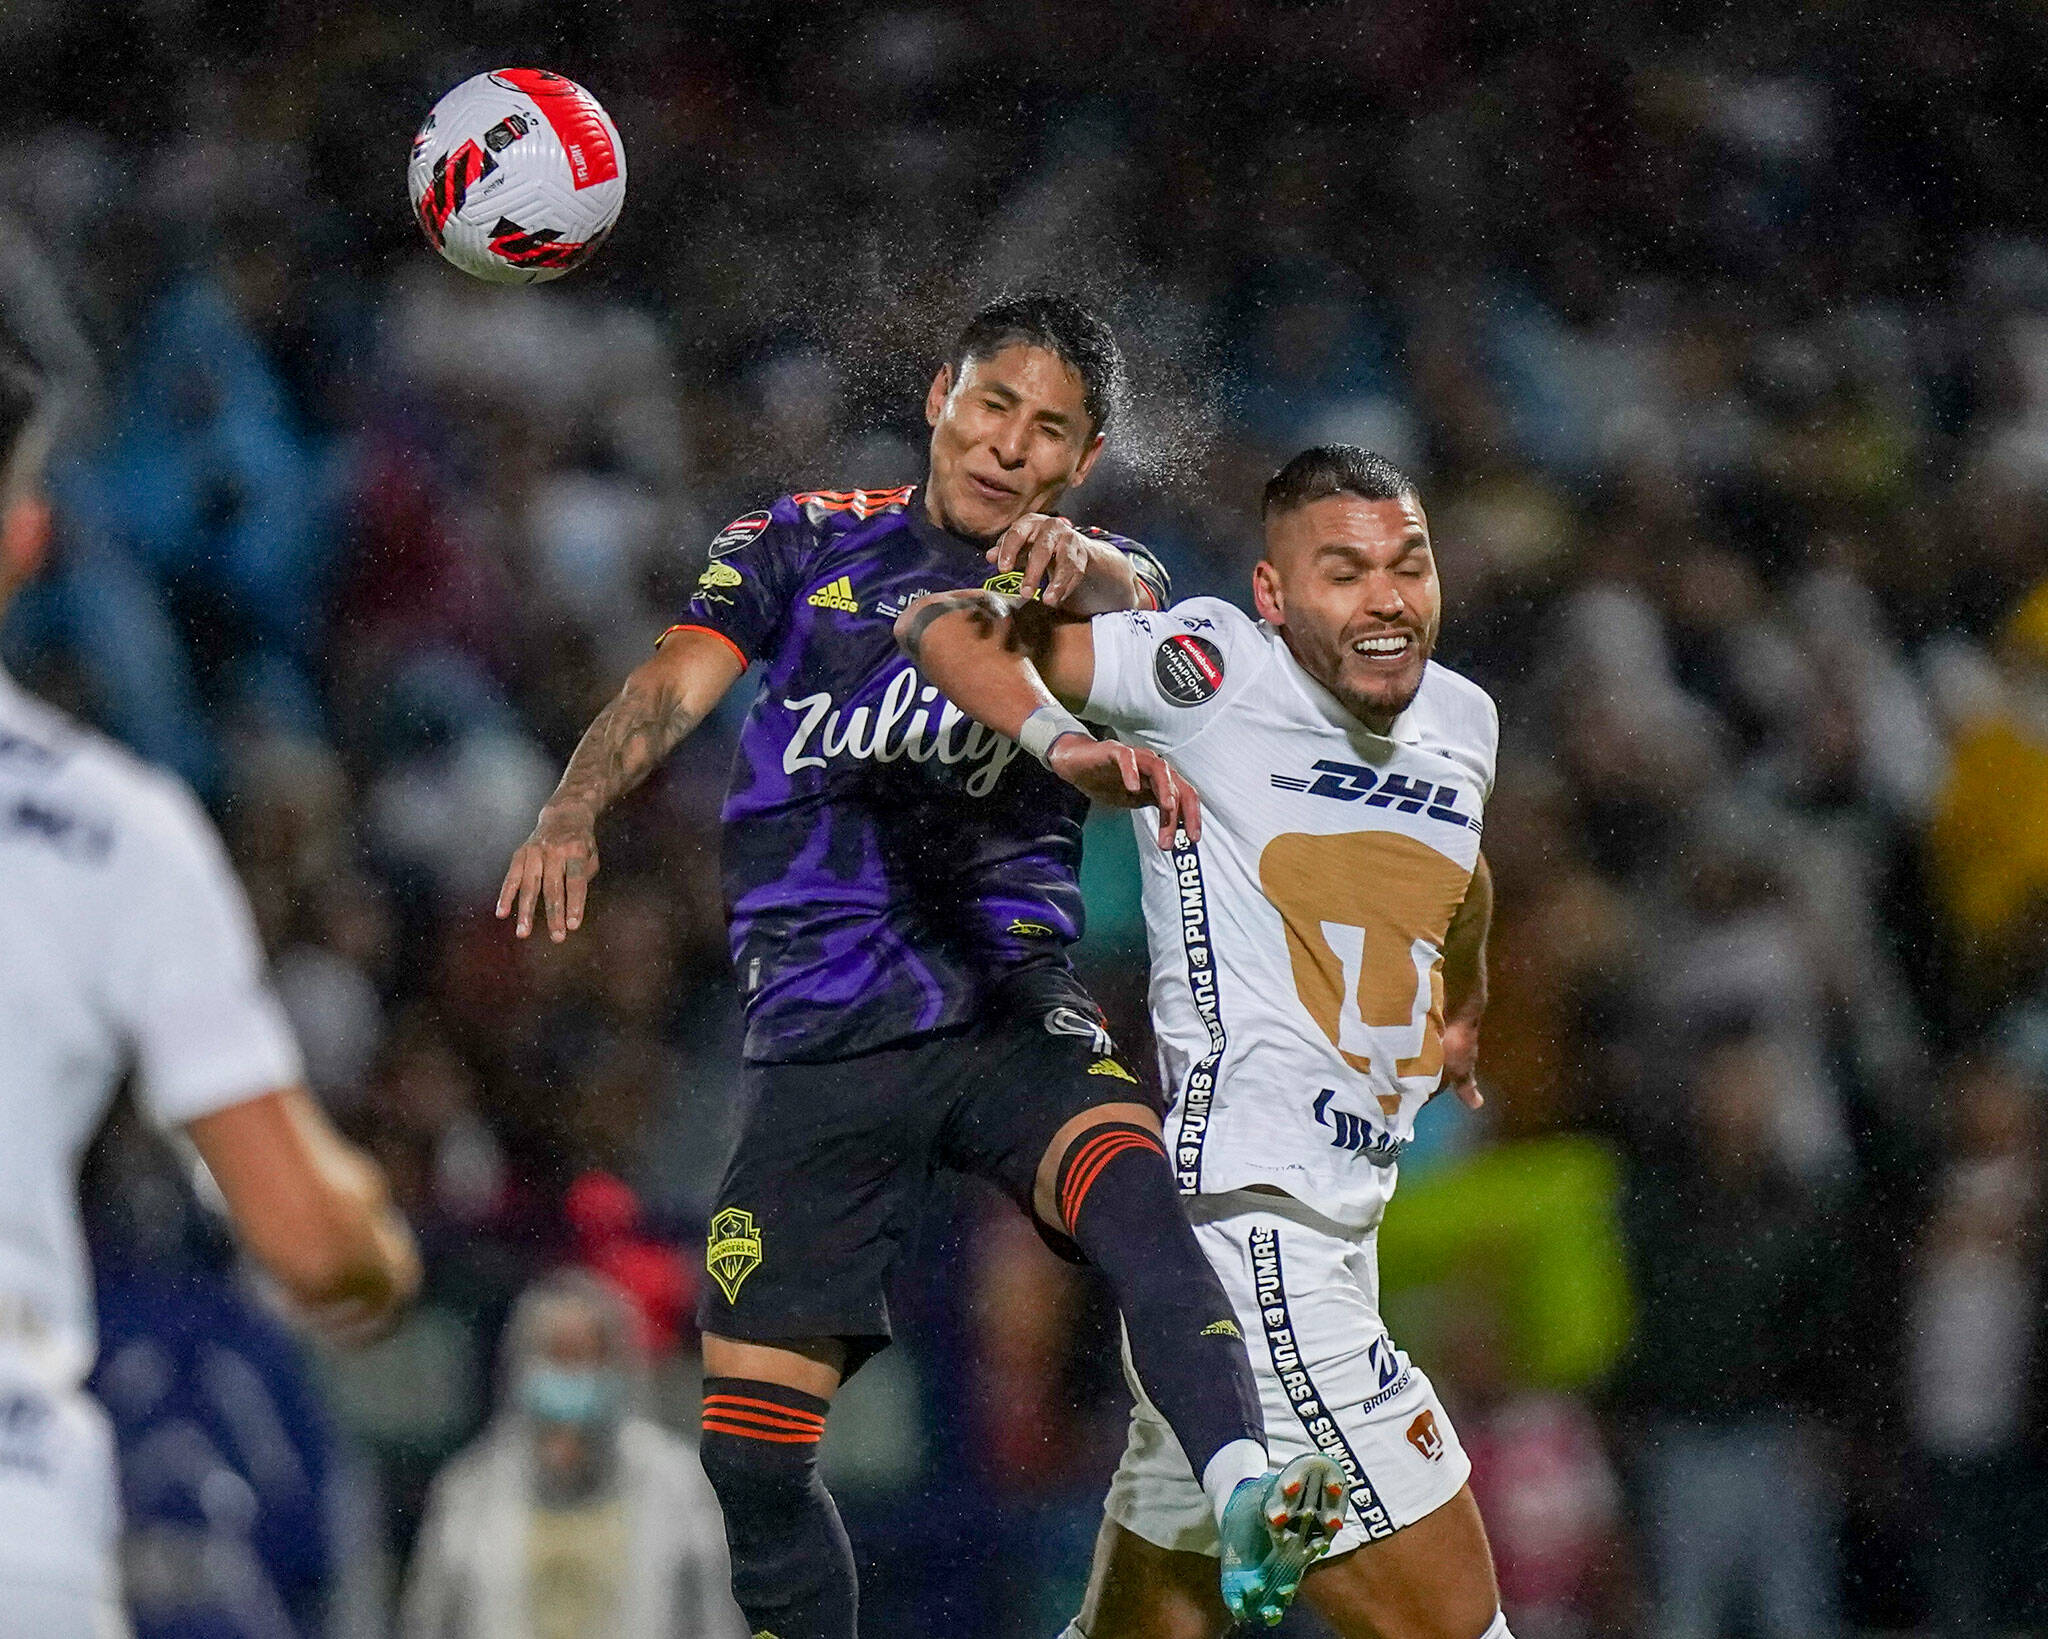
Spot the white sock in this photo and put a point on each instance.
(1499, 1630)
(1238, 1461)
(1073, 1630)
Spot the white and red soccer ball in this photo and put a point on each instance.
(517, 175)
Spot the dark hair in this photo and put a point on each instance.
(1060, 325)
(1334, 469)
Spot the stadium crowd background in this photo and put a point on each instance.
(1722, 355)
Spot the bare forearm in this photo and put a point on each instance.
(625, 743)
(1111, 583)
(1465, 948)
(976, 649)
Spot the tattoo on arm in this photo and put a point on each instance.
(985, 608)
(1025, 626)
(624, 743)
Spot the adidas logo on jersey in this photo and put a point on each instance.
(836, 594)
(1348, 782)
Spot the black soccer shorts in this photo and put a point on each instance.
(835, 1159)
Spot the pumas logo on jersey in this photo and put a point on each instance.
(1425, 1437)
(1349, 782)
(1356, 1134)
(1188, 669)
(901, 725)
(837, 594)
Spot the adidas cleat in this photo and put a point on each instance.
(1275, 1526)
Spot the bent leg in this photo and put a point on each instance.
(1432, 1580)
(1138, 1590)
(792, 1565)
(1113, 1192)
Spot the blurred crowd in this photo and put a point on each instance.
(1722, 356)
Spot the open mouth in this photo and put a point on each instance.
(989, 489)
(1385, 649)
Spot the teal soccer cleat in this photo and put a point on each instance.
(1275, 1526)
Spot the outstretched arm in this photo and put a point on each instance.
(1020, 669)
(661, 702)
(1465, 986)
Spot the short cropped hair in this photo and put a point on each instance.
(1334, 469)
(1060, 325)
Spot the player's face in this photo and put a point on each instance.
(1352, 586)
(1010, 435)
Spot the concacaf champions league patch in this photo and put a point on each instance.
(1189, 669)
(737, 533)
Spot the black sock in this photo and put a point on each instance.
(792, 1566)
(1118, 1200)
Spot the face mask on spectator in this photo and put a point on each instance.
(582, 1397)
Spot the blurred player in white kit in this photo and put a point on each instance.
(126, 944)
(1318, 974)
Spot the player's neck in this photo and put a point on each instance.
(1374, 720)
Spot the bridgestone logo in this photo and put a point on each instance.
(1269, 1286)
(1199, 1093)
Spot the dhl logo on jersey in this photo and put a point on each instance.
(1351, 782)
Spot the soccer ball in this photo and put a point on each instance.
(517, 175)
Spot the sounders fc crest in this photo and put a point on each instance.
(732, 1251)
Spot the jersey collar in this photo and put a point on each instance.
(1406, 729)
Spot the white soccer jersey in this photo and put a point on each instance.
(125, 941)
(1297, 950)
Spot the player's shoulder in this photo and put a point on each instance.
(1459, 709)
(91, 799)
(1197, 650)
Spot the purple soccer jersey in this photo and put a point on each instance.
(886, 859)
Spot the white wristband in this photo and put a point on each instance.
(1046, 725)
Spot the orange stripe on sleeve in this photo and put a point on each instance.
(689, 626)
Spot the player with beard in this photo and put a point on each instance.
(1318, 974)
(902, 887)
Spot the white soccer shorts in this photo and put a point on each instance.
(60, 1515)
(1306, 1292)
